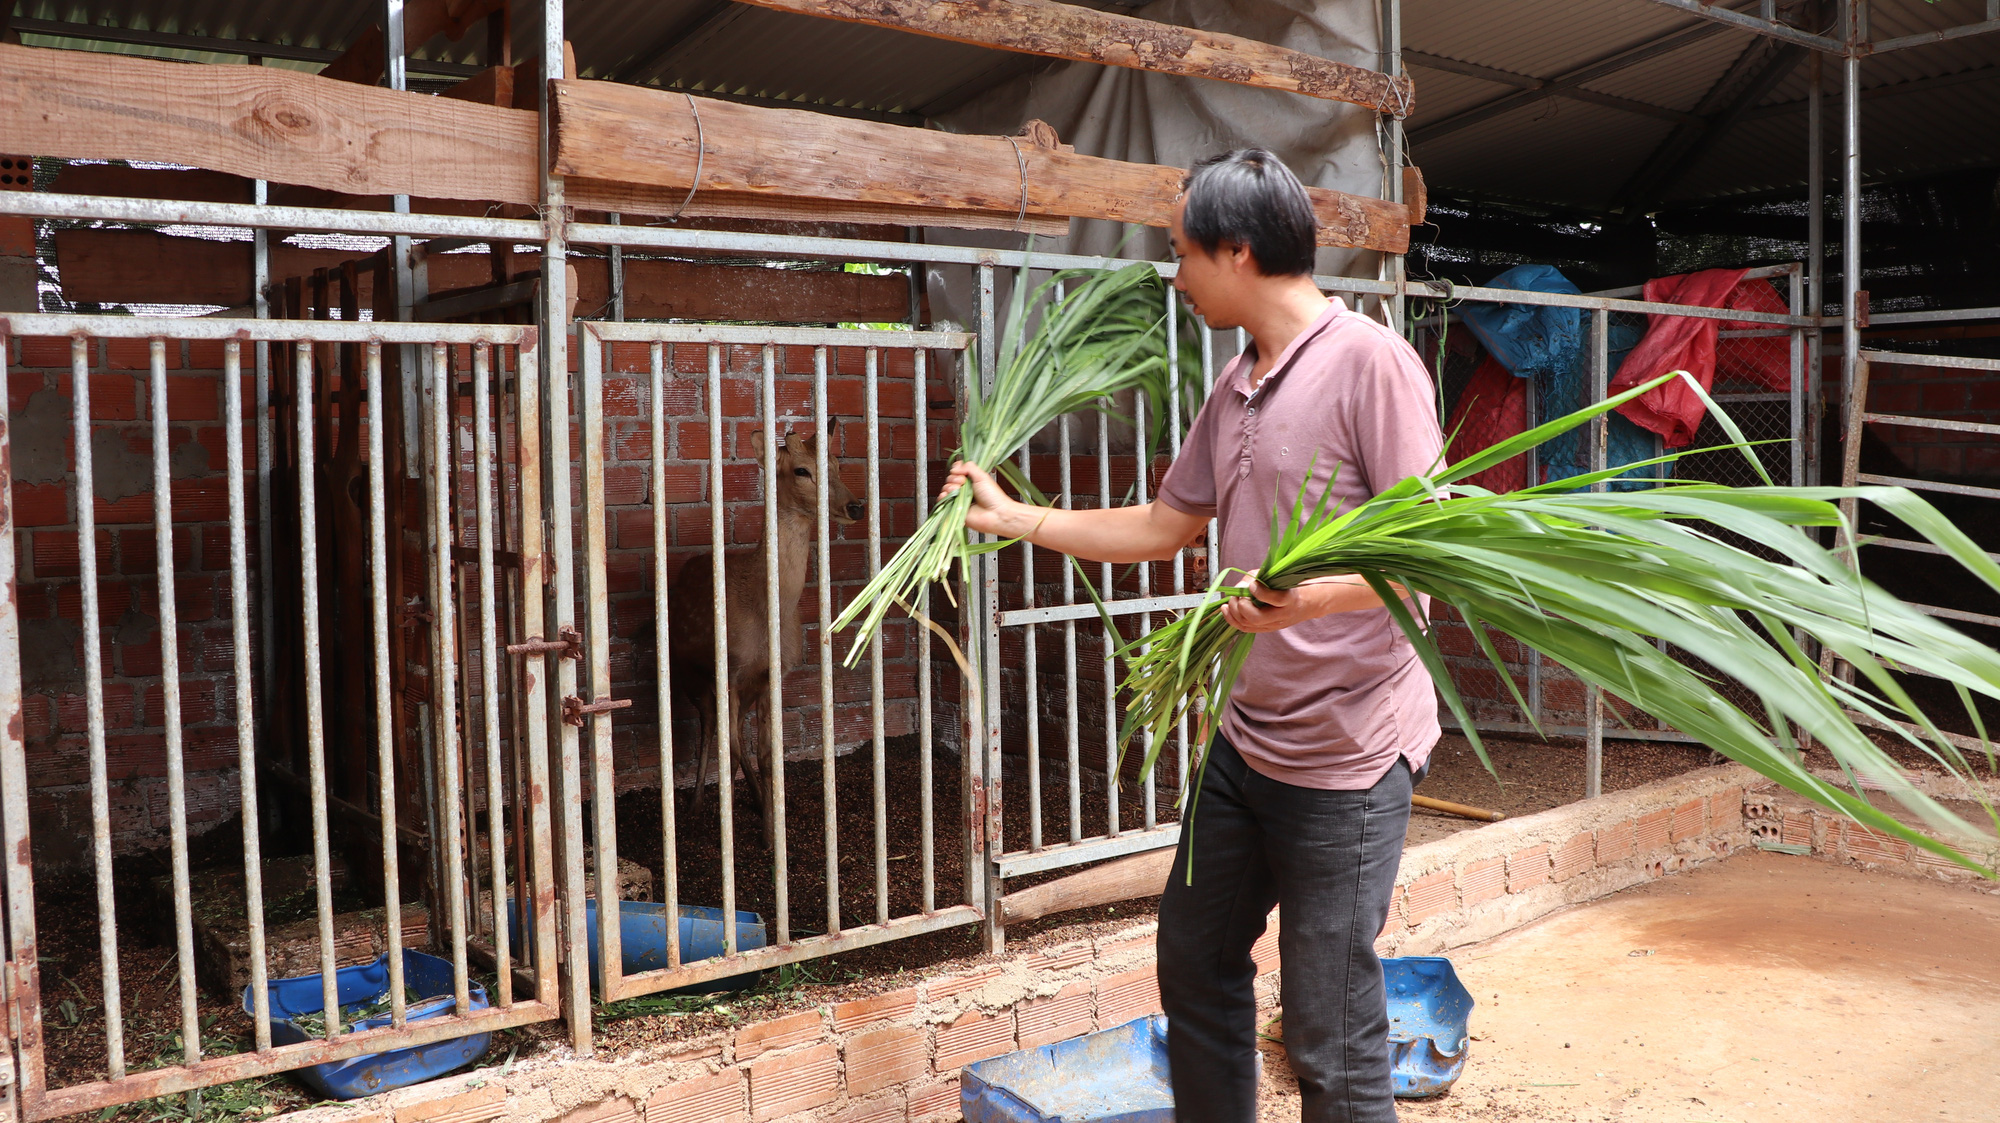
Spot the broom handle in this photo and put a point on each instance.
(1459, 809)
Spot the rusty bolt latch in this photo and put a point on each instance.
(575, 708)
(568, 644)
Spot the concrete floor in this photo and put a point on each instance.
(1765, 988)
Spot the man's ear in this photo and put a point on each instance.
(1240, 256)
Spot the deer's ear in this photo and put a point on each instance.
(801, 444)
(757, 443)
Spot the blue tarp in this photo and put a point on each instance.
(1552, 346)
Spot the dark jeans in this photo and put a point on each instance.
(1328, 860)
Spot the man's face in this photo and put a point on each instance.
(1209, 280)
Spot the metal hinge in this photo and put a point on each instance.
(574, 709)
(568, 644)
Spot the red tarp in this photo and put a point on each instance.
(1674, 411)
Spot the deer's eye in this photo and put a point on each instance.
(806, 472)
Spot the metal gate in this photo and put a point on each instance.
(649, 472)
(481, 841)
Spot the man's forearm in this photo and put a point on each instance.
(1117, 534)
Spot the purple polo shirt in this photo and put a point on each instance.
(1329, 703)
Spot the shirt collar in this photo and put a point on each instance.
(1237, 375)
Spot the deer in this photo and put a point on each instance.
(691, 615)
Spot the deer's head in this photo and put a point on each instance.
(798, 479)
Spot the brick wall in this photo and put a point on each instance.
(50, 590)
(1945, 392)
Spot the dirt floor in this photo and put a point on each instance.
(1766, 988)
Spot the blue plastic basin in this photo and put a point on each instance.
(1115, 1076)
(366, 982)
(1428, 1013)
(642, 936)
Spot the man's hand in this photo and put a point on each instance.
(992, 512)
(1281, 608)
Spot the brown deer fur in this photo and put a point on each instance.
(691, 615)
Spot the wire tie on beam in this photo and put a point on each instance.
(700, 153)
(1021, 161)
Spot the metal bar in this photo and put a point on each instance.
(872, 419)
(489, 664)
(1174, 451)
(1908, 359)
(1142, 469)
(1390, 130)
(1615, 733)
(1850, 216)
(1019, 863)
(385, 701)
(302, 396)
(597, 604)
(1766, 27)
(1930, 485)
(220, 330)
(1945, 315)
(987, 621)
(169, 212)
(242, 1066)
(1531, 463)
(616, 266)
(920, 408)
(823, 521)
(1032, 672)
(444, 676)
(1926, 38)
(1931, 423)
(1958, 614)
(774, 681)
(718, 524)
(1600, 373)
(170, 695)
(1916, 547)
(260, 299)
(1072, 749)
(771, 336)
(246, 718)
(1107, 594)
(670, 866)
(1760, 273)
(1795, 391)
(1132, 606)
(534, 574)
(21, 1059)
(1815, 258)
(93, 687)
(811, 947)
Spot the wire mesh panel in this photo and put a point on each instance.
(132, 431)
(738, 482)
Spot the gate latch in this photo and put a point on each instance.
(568, 644)
(575, 708)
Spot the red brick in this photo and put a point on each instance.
(944, 988)
(1121, 998)
(1265, 951)
(1482, 881)
(1394, 918)
(1798, 830)
(975, 1036)
(617, 1109)
(1689, 819)
(1653, 830)
(936, 1101)
(1430, 895)
(881, 1109)
(879, 1058)
(717, 1098)
(475, 1106)
(1617, 842)
(777, 1034)
(1725, 809)
(1062, 958)
(891, 1007)
(1872, 846)
(1527, 868)
(797, 1081)
(1147, 944)
(1573, 857)
(1059, 1017)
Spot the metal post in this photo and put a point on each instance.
(395, 71)
(617, 266)
(1392, 163)
(1850, 201)
(23, 974)
(1815, 257)
(986, 634)
(1600, 367)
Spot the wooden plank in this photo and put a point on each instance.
(1065, 31)
(423, 20)
(1124, 879)
(643, 136)
(642, 199)
(491, 86)
(265, 123)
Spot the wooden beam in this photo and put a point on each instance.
(627, 134)
(141, 267)
(1065, 31)
(265, 123)
(491, 86)
(643, 199)
(423, 20)
(1125, 879)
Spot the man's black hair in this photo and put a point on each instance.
(1249, 197)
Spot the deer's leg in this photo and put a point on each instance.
(704, 720)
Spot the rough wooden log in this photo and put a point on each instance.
(1125, 879)
(1065, 31)
(1416, 196)
(265, 123)
(627, 134)
(643, 199)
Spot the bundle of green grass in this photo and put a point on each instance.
(1591, 579)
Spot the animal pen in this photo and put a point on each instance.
(382, 559)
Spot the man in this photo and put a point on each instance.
(1306, 797)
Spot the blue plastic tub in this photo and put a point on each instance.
(364, 983)
(1116, 1076)
(1428, 1014)
(642, 935)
